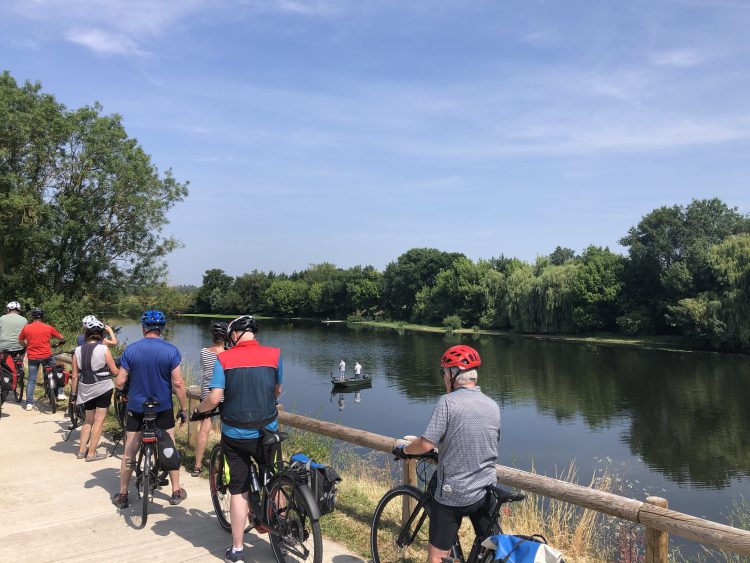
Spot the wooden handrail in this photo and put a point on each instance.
(650, 514)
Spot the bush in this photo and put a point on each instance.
(452, 322)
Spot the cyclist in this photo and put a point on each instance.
(248, 379)
(92, 386)
(35, 337)
(466, 426)
(111, 339)
(11, 324)
(208, 359)
(153, 367)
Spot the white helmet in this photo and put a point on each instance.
(13, 306)
(92, 323)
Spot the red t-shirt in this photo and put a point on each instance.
(37, 335)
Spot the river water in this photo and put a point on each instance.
(671, 424)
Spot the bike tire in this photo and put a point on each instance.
(18, 391)
(52, 394)
(287, 511)
(387, 525)
(220, 496)
(146, 484)
(121, 411)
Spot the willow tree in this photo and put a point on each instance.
(83, 207)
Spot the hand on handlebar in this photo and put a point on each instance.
(183, 417)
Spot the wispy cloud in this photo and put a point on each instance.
(681, 58)
(104, 43)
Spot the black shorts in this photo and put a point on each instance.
(237, 455)
(100, 402)
(446, 520)
(164, 420)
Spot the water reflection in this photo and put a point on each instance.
(685, 415)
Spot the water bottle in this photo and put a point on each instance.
(254, 484)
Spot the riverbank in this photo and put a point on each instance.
(665, 343)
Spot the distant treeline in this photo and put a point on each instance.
(686, 272)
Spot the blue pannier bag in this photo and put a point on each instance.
(522, 549)
(322, 480)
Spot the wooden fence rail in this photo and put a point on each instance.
(658, 520)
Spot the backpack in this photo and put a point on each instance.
(322, 479)
(522, 549)
(8, 373)
(169, 457)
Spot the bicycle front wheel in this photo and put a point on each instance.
(400, 533)
(121, 411)
(287, 512)
(52, 394)
(218, 481)
(18, 392)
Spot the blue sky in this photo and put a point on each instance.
(350, 131)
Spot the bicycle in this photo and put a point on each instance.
(281, 500)
(120, 405)
(54, 376)
(400, 525)
(17, 356)
(148, 478)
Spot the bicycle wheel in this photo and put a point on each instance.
(287, 511)
(18, 392)
(121, 410)
(52, 394)
(145, 488)
(219, 486)
(390, 540)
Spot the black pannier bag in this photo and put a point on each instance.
(169, 457)
(322, 479)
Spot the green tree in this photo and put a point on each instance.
(215, 283)
(597, 289)
(412, 271)
(83, 207)
(287, 298)
(561, 255)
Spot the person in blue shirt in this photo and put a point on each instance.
(248, 379)
(153, 367)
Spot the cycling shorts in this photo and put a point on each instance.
(237, 454)
(446, 520)
(164, 420)
(100, 402)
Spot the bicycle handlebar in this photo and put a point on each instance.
(197, 415)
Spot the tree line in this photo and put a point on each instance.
(686, 273)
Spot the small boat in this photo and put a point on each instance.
(352, 382)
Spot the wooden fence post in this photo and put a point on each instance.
(657, 542)
(410, 478)
(193, 427)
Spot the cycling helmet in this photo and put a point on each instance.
(87, 319)
(37, 313)
(462, 357)
(13, 306)
(153, 320)
(243, 324)
(91, 324)
(219, 331)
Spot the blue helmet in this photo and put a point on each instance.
(153, 319)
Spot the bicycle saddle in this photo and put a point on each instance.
(150, 403)
(504, 496)
(270, 438)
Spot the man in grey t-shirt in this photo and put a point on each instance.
(465, 426)
(11, 325)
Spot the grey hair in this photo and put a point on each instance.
(466, 376)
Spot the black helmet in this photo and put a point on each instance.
(37, 313)
(219, 331)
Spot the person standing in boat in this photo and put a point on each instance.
(342, 369)
(357, 370)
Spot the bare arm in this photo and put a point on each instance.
(122, 377)
(111, 365)
(419, 446)
(278, 390)
(112, 340)
(74, 375)
(212, 400)
(178, 387)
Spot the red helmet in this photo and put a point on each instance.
(462, 357)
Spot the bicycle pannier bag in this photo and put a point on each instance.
(169, 457)
(7, 374)
(322, 479)
(522, 549)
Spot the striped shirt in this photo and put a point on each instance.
(208, 359)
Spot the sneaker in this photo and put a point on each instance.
(120, 500)
(232, 555)
(178, 497)
(61, 396)
(29, 406)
